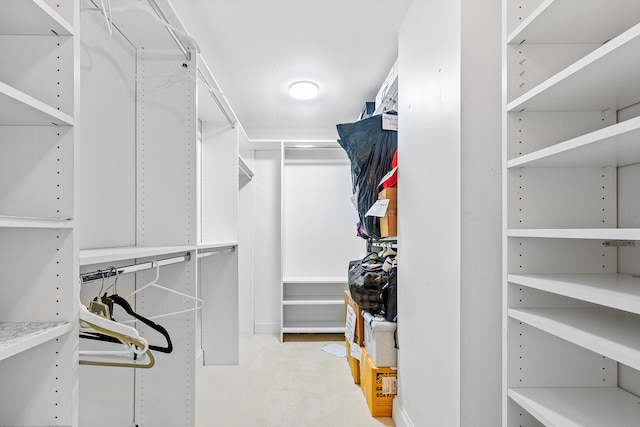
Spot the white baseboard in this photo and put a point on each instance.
(267, 328)
(399, 415)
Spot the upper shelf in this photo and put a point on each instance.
(34, 17)
(607, 78)
(244, 169)
(619, 291)
(18, 108)
(104, 255)
(592, 21)
(616, 145)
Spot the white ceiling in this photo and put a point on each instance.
(257, 48)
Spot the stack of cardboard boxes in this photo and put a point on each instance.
(372, 356)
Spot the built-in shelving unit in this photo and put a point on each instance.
(161, 185)
(38, 292)
(313, 304)
(572, 283)
(315, 202)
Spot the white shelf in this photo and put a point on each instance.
(605, 331)
(302, 327)
(18, 108)
(311, 300)
(547, 24)
(314, 279)
(243, 168)
(33, 222)
(104, 255)
(31, 17)
(18, 337)
(585, 407)
(605, 78)
(612, 146)
(618, 291)
(578, 233)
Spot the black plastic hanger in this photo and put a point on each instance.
(118, 300)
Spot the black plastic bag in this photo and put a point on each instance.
(366, 279)
(390, 296)
(370, 150)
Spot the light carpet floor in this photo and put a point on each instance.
(290, 384)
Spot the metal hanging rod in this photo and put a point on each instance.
(172, 33)
(216, 252)
(103, 274)
(214, 94)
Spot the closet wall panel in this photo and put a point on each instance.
(107, 155)
(267, 241)
(320, 220)
(166, 149)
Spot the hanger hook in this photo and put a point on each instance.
(155, 264)
(115, 283)
(102, 284)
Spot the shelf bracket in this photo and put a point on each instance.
(619, 243)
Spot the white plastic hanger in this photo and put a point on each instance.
(138, 346)
(198, 301)
(117, 327)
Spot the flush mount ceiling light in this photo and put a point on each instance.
(303, 90)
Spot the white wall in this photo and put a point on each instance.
(319, 217)
(449, 214)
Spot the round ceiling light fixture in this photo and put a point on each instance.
(303, 90)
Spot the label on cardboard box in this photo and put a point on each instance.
(389, 385)
(350, 325)
(356, 351)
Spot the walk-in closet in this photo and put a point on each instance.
(443, 232)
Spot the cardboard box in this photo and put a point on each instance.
(379, 340)
(354, 364)
(359, 330)
(379, 386)
(389, 222)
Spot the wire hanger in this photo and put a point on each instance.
(153, 283)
